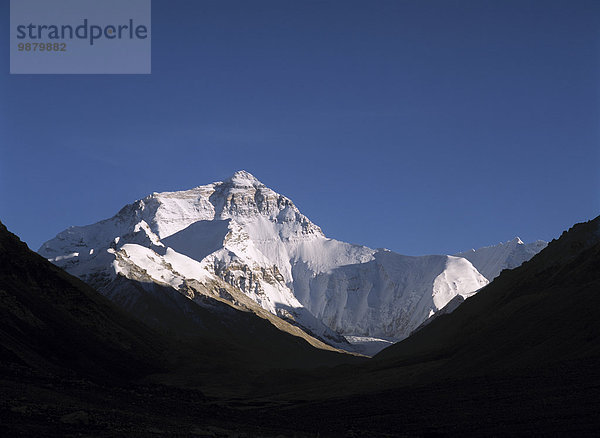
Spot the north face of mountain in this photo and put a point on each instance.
(243, 233)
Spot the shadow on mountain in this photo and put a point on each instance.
(199, 239)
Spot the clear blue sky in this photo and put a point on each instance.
(420, 126)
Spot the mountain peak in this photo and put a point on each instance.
(517, 240)
(243, 178)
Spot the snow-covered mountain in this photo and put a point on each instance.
(238, 235)
(491, 260)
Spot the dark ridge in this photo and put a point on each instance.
(53, 322)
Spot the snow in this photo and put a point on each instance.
(186, 266)
(199, 239)
(255, 239)
(151, 262)
(241, 178)
(459, 278)
(387, 295)
(64, 257)
(369, 346)
(491, 260)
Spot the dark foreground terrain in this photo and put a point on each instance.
(522, 357)
(555, 402)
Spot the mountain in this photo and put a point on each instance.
(518, 358)
(491, 260)
(542, 311)
(242, 233)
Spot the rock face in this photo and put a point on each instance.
(242, 233)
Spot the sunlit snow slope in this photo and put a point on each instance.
(491, 260)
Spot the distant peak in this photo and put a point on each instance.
(517, 240)
(243, 178)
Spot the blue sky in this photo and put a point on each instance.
(420, 126)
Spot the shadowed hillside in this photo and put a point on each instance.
(71, 360)
(52, 322)
(521, 357)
